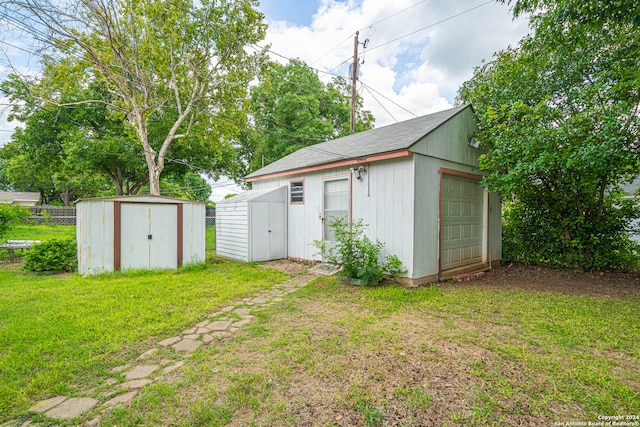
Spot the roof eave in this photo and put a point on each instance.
(340, 163)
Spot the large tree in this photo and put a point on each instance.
(292, 108)
(82, 147)
(559, 120)
(176, 70)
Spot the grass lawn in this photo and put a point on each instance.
(42, 232)
(330, 354)
(62, 334)
(337, 355)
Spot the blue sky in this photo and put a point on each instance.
(296, 12)
(418, 54)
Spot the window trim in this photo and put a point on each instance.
(299, 193)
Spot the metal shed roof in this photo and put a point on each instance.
(248, 195)
(386, 139)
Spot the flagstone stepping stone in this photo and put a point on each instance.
(173, 367)
(121, 399)
(140, 372)
(147, 353)
(240, 323)
(219, 325)
(202, 330)
(242, 311)
(259, 300)
(45, 405)
(187, 345)
(72, 408)
(192, 336)
(133, 384)
(169, 341)
(207, 338)
(227, 308)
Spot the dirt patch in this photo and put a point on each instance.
(546, 279)
(289, 266)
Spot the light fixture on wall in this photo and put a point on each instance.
(360, 170)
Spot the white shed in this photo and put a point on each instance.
(138, 232)
(252, 226)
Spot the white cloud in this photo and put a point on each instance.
(421, 72)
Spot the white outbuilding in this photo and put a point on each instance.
(415, 184)
(252, 226)
(138, 232)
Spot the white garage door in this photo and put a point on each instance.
(461, 222)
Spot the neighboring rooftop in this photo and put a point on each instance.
(386, 139)
(19, 198)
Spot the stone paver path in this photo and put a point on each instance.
(223, 323)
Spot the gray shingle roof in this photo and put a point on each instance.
(386, 139)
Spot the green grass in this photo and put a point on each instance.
(63, 334)
(332, 354)
(42, 232)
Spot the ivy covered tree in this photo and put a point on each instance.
(291, 108)
(559, 121)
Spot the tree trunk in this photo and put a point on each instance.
(65, 197)
(154, 180)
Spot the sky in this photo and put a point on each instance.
(417, 55)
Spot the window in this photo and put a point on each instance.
(297, 191)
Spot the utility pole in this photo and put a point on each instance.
(354, 77)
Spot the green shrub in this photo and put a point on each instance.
(357, 255)
(588, 243)
(52, 255)
(10, 216)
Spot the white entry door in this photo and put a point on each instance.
(336, 204)
(149, 236)
(461, 222)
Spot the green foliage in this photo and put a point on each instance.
(10, 216)
(189, 185)
(558, 120)
(597, 244)
(52, 255)
(372, 415)
(176, 73)
(358, 256)
(292, 109)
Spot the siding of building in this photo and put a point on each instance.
(232, 230)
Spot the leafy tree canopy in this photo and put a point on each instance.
(177, 72)
(291, 109)
(559, 122)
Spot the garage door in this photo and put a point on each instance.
(461, 222)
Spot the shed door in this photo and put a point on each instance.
(461, 222)
(149, 236)
(268, 231)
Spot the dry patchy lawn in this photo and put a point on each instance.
(519, 347)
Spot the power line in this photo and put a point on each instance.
(432, 25)
(391, 16)
(369, 88)
(383, 107)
